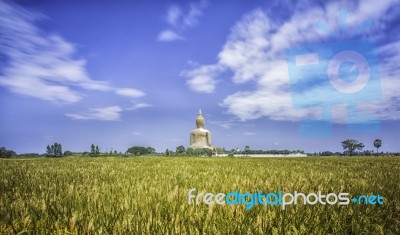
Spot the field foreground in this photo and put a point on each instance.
(150, 195)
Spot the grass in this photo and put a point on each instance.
(149, 195)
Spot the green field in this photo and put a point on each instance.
(150, 195)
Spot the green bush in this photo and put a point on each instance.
(199, 152)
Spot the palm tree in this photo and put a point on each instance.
(377, 144)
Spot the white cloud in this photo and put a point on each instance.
(138, 105)
(181, 18)
(202, 78)
(224, 124)
(41, 65)
(249, 133)
(136, 133)
(244, 52)
(168, 36)
(110, 113)
(195, 11)
(174, 12)
(255, 52)
(129, 92)
(202, 83)
(40, 89)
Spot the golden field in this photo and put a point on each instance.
(149, 195)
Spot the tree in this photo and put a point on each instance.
(350, 145)
(180, 149)
(220, 150)
(326, 153)
(150, 150)
(5, 153)
(377, 144)
(49, 151)
(247, 149)
(140, 150)
(92, 149)
(57, 150)
(54, 150)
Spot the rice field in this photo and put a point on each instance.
(149, 195)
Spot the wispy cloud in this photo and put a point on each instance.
(181, 18)
(224, 124)
(255, 52)
(174, 13)
(110, 113)
(173, 140)
(169, 35)
(138, 105)
(46, 66)
(249, 133)
(39, 65)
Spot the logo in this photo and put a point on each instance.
(280, 199)
(326, 75)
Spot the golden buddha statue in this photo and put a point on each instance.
(200, 137)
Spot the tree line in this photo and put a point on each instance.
(351, 147)
(55, 150)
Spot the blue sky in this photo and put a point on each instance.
(124, 73)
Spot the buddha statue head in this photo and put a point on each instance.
(200, 120)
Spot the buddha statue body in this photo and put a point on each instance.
(200, 137)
